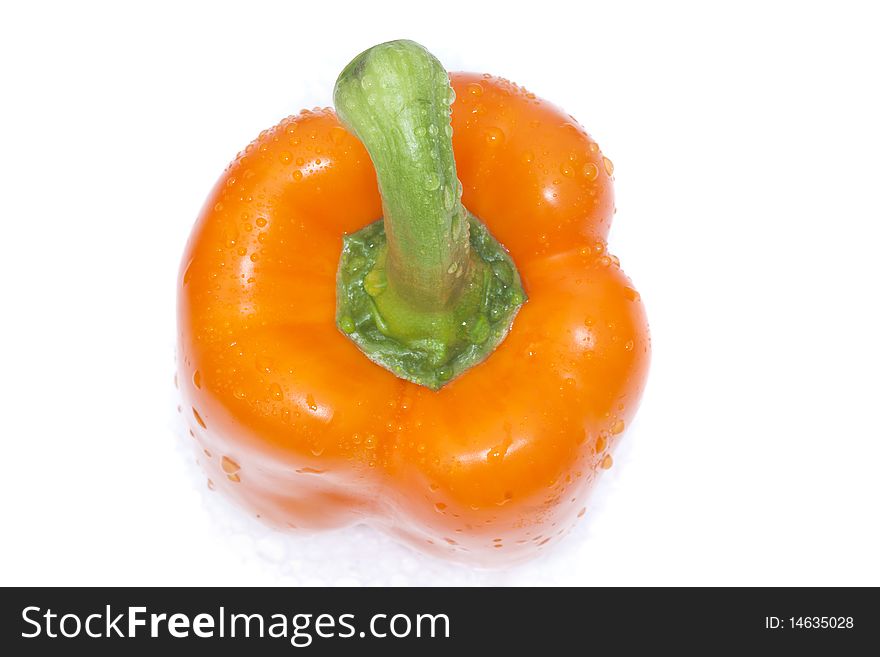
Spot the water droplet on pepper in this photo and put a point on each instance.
(494, 136)
(609, 166)
(591, 171)
(631, 294)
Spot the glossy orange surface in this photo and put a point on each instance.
(297, 425)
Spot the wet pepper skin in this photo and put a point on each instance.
(305, 432)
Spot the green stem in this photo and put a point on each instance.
(396, 98)
(426, 292)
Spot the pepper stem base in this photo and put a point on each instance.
(429, 348)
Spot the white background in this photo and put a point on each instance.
(746, 144)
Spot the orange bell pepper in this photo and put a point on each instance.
(481, 454)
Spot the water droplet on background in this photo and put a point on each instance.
(199, 418)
